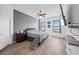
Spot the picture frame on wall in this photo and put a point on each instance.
(49, 24)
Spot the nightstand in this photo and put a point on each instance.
(20, 37)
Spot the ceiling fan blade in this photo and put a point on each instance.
(44, 14)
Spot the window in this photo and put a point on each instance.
(56, 26)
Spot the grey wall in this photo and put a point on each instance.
(23, 21)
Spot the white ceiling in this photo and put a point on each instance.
(32, 9)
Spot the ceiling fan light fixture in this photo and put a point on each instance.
(41, 13)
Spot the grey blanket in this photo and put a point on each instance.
(39, 35)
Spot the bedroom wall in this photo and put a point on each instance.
(50, 30)
(23, 21)
(7, 12)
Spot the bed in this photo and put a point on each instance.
(38, 36)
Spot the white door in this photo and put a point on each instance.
(4, 26)
(4, 32)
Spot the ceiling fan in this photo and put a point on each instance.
(41, 13)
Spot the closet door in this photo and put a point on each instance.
(4, 32)
(4, 26)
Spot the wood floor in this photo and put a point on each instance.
(51, 46)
